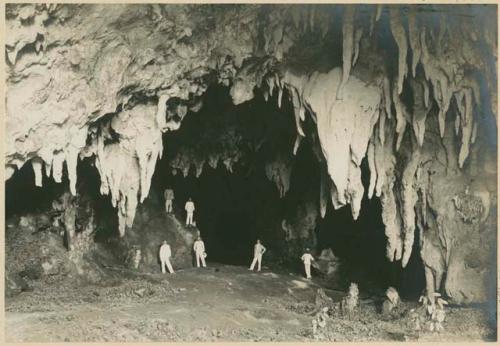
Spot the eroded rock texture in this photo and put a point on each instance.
(411, 90)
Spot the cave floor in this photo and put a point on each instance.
(219, 303)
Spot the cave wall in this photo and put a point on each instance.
(413, 90)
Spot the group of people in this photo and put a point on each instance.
(166, 253)
(199, 245)
(259, 250)
(188, 207)
(200, 255)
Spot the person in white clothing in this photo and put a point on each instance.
(189, 207)
(307, 258)
(169, 197)
(258, 251)
(199, 251)
(165, 254)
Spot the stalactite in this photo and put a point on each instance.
(381, 126)
(373, 17)
(439, 80)
(9, 171)
(379, 12)
(372, 168)
(400, 117)
(347, 46)
(380, 164)
(355, 189)
(386, 89)
(296, 145)
(474, 133)
(47, 155)
(399, 34)
(57, 166)
(420, 111)
(162, 111)
(409, 199)
(414, 35)
(298, 111)
(324, 192)
(357, 38)
(279, 171)
(467, 126)
(148, 150)
(344, 128)
(71, 154)
(37, 169)
(391, 219)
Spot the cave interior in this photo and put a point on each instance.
(367, 130)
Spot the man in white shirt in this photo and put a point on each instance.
(307, 258)
(199, 251)
(189, 207)
(165, 254)
(169, 197)
(258, 251)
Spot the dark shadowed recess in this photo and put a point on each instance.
(235, 209)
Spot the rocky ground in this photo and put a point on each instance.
(219, 303)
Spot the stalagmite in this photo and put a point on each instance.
(399, 34)
(347, 46)
(37, 169)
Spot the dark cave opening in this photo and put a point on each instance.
(23, 197)
(361, 246)
(234, 209)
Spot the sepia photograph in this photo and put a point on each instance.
(257, 172)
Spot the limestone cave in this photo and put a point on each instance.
(362, 135)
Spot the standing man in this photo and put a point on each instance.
(169, 197)
(165, 254)
(189, 207)
(199, 251)
(258, 251)
(307, 258)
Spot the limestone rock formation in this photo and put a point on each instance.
(106, 81)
